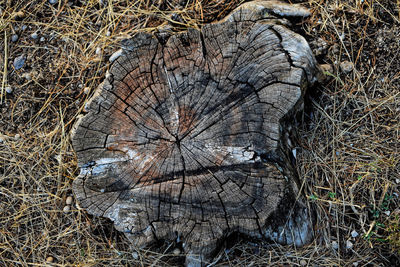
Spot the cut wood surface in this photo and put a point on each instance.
(185, 138)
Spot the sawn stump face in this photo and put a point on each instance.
(183, 138)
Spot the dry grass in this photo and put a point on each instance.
(349, 149)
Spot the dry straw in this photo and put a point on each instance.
(348, 144)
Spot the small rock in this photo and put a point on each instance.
(355, 264)
(24, 27)
(303, 262)
(27, 76)
(349, 244)
(69, 200)
(19, 62)
(49, 259)
(176, 252)
(325, 73)
(326, 68)
(320, 47)
(397, 181)
(34, 35)
(14, 38)
(354, 233)
(53, 2)
(346, 66)
(135, 255)
(42, 39)
(17, 136)
(335, 245)
(115, 55)
(67, 208)
(9, 90)
(98, 51)
(108, 33)
(20, 14)
(387, 213)
(86, 90)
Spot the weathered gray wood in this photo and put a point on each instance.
(186, 136)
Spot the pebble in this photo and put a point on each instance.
(14, 38)
(34, 35)
(335, 245)
(98, 51)
(50, 259)
(176, 251)
(9, 90)
(19, 61)
(397, 180)
(86, 90)
(53, 2)
(346, 66)
(108, 33)
(115, 55)
(387, 213)
(321, 47)
(20, 14)
(326, 72)
(349, 244)
(303, 262)
(24, 27)
(42, 39)
(326, 68)
(17, 136)
(27, 76)
(67, 208)
(354, 233)
(135, 255)
(69, 200)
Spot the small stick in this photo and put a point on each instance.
(5, 67)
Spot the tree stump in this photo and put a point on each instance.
(187, 137)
